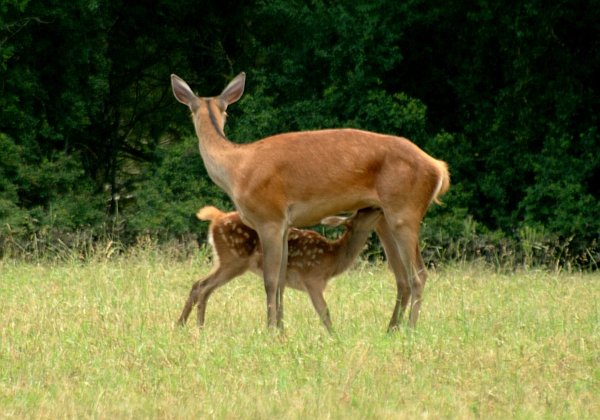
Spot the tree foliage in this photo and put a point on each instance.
(504, 91)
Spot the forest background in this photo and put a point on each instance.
(93, 145)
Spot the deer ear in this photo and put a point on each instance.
(234, 90)
(182, 91)
(333, 221)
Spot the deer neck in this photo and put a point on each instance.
(349, 247)
(217, 152)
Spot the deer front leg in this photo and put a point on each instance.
(281, 280)
(271, 239)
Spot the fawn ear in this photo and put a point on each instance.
(333, 221)
(234, 90)
(182, 91)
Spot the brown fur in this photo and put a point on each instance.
(296, 179)
(312, 261)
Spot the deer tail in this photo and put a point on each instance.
(443, 182)
(208, 213)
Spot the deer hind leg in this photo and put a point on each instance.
(316, 296)
(407, 239)
(405, 232)
(421, 271)
(203, 288)
(395, 261)
(273, 239)
(189, 304)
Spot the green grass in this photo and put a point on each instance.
(97, 340)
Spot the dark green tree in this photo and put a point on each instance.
(504, 91)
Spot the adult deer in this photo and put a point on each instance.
(296, 179)
(312, 260)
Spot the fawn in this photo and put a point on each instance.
(312, 259)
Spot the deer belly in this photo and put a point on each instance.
(310, 213)
(292, 280)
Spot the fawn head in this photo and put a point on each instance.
(363, 219)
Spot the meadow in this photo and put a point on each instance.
(97, 340)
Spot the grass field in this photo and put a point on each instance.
(97, 340)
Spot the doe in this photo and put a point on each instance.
(297, 179)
